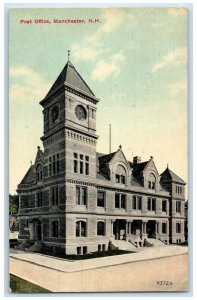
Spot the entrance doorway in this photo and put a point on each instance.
(151, 229)
(119, 229)
(37, 230)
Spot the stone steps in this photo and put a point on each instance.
(123, 245)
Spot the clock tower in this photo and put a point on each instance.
(70, 127)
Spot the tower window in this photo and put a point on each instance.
(54, 195)
(81, 164)
(81, 195)
(54, 164)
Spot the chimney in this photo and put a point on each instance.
(136, 160)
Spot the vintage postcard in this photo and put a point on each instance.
(98, 149)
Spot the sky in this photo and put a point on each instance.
(135, 62)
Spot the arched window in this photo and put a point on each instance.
(39, 172)
(81, 228)
(100, 228)
(120, 174)
(151, 181)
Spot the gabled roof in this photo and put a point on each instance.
(169, 175)
(103, 160)
(70, 75)
(39, 155)
(29, 176)
(138, 168)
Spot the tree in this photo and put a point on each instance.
(13, 204)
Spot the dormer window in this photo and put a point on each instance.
(39, 172)
(120, 179)
(120, 175)
(151, 181)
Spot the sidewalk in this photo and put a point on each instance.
(68, 266)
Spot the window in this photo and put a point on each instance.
(120, 174)
(178, 206)
(81, 164)
(81, 195)
(101, 228)
(137, 202)
(101, 247)
(54, 195)
(39, 199)
(54, 164)
(151, 181)
(120, 179)
(178, 227)
(101, 199)
(179, 189)
(79, 250)
(120, 201)
(81, 229)
(152, 204)
(164, 205)
(39, 172)
(55, 228)
(85, 250)
(164, 227)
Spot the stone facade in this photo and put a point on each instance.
(76, 200)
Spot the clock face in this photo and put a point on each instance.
(54, 113)
(80, 112)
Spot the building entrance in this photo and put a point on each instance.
(119, 229)
(151, 229)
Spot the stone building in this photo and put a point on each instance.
(76, 200)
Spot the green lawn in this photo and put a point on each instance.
(19, 285)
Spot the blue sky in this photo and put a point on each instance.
(134, 60)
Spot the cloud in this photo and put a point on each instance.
(86, 52)
(178, 11)
(26, 84)
(93, 46)
(176, 57)
(105, 68)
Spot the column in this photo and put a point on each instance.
(112, 227)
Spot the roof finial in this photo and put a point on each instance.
(167, 166)
(38, 147)
(68, 55)
(31, 162)
(120, 147)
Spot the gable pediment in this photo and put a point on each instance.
(39, 157)
(150, 167)
(119, 158)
